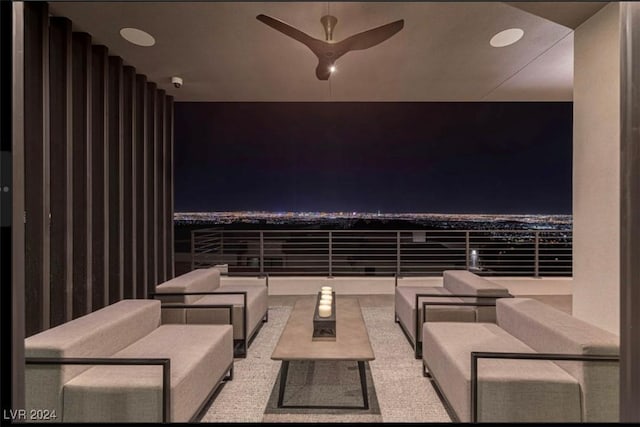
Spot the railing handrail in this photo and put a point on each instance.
(530, 252)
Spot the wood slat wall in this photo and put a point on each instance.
(98, 187)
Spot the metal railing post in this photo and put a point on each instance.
(262, 252)
(397, 253)
(193, 250)
(536, 260)
(467, 250)
(330, 254)
(222, 249)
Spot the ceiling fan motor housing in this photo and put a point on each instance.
(329, 23)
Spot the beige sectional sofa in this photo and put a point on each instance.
(198, 297)
(444, 304)
(537, 364)
(118, 364)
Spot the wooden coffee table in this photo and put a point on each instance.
(351, 343)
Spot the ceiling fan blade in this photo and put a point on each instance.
(314, 44)
(368, 38)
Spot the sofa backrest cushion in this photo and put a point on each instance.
(548, 330)
(199, 280)
(465, 282)
(462, 282)
(98, 334)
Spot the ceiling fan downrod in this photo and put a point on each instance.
(329, 23)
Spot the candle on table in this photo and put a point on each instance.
(326, 288)
(326, 298)
(324, 310)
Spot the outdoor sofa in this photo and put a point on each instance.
(537, 364)
(197, 297)
(118, 364)
(464, 297)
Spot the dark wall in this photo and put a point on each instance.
(394, 157)
(86, 175)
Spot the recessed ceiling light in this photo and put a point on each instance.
(506, 37)
(137, 37)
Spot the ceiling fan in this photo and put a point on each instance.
(329, 51)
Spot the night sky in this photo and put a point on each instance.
(501, 158)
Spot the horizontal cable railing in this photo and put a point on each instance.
(530, 253)
(206, 246)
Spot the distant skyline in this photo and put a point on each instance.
(219, 217)
(448, 158)
(370, 220)
(351, 213)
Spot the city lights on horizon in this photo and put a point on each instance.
(345, 220)
(378, 214)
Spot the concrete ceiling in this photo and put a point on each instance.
(443, 54)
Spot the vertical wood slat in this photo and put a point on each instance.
(115, 182)
(36, 170)
(629, 394)
(12, 228)
(160, 208)
(128, 190)
(140, 180)
(168, 151)
(60, 52)
(152, 249)
(99, 177)
(82, 205)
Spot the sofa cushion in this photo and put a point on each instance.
(98, 334)
(405, 300)
(463, 282)
(200, 356)
(548, 330)
(199, 280)
(509, 390)
(256, 308)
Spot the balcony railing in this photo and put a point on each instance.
(533, 253)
